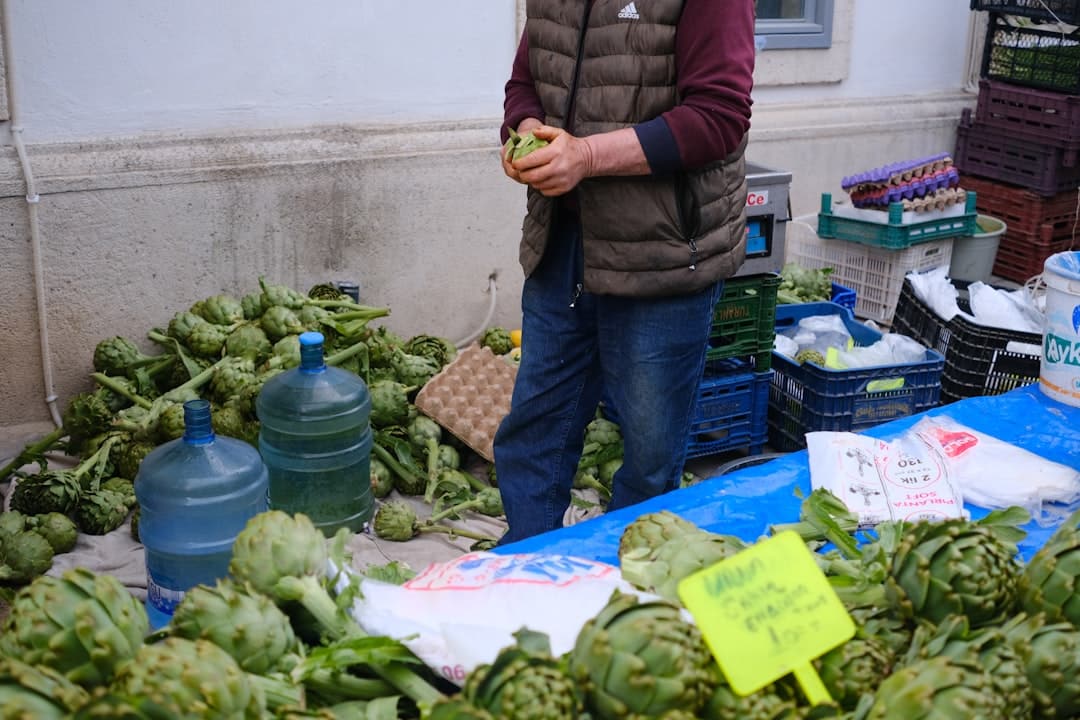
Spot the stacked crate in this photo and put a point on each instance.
(733, 397)
(1019, 151)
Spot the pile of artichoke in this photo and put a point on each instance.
(950, 623)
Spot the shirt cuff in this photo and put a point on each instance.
(658, 142)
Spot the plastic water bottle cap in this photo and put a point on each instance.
(312, 338)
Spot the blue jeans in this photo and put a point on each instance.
(644, 355)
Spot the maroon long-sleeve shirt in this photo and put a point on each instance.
(714, 61)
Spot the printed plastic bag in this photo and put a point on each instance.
(994, 474)
(879, 480)
(459, 614)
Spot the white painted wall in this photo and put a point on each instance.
(110, 67)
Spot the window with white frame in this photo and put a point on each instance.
(786, 24)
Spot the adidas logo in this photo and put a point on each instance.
(629, 13)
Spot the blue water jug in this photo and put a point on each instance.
(315, 438)
(195, 493)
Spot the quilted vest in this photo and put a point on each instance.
(644, 235)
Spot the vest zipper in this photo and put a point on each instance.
(579, 250)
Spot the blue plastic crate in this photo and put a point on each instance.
(844, 297)
(731, 410)
(807, 398)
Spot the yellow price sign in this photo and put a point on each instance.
(766, 612)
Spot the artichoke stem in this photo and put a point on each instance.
(32, 452)
(278, 692)
(454, 531)
(432, 470)
(106, 381)
(357, 312)
(345, 686)
(453, 510)
(342, 355)
(395, 467)
(308, 592)
(199, 380)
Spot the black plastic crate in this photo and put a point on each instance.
(1064, 10)
(978, 360)
(1032, 55)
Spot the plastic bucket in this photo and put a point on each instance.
(973, 255)
(1059, 371)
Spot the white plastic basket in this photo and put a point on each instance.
(875, 274)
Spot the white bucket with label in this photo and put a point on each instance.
(1059, 373)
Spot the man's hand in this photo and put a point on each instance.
(556, 168)
(525, 126)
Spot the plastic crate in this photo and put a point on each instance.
(807, 398)
(1065, 10)
(897, 230)
(844, 297)
(978, 360)
(1024, 211)
(743, 320)
(731, 410)
(874, 274)
(1032, 56)
(997, 154)
(1034, 115)
(1020, 256)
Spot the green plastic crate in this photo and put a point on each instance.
(744, 320)
(894, 234)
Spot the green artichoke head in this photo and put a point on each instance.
(491, 503)
(252, 306)
(395, 520)
(191, 679)
(854, 669)
(1049, 581)
(81, 624)
(221, 310)
(278, 321)
(651, 530)
(57, 528)
(37, 692)
(280, 296)
(101, 511)
(12, 523)
(438, 349)
(115, 355)
(26, 555)
(170, 423)
(230, 377)
(661, 569)
(87, 415)
(954, 567)
(389, 403)
(642, 659)
(182, 324)
(413, 370)
(207, 340)
(382, 480)
(274, 544)
(48, 491)
(497, 339)
(246, 624)
(939, 687)
(248, 340)
(524, 680)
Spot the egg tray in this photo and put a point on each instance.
(470, 397)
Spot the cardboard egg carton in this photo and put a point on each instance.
(470, 397)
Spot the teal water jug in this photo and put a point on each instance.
(315, 438)
(196, 494)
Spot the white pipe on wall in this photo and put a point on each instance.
(32, 201)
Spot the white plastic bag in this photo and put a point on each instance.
(934, 288)
(994, 474)
(459, 614)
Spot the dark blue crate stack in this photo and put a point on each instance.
(733, 397)
(807, 397)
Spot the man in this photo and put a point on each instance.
(635, 216)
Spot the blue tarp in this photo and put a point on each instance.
(746, 502)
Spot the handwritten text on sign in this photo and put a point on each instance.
(766, 611)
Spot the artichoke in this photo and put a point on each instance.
(25, 555)
(311, 317)
(389, 403)
(221, 310)
(1050, 581)
(774, 702)
(395, 521)
(87, 415)
(36, 692)
(12, 523)
(280, 296)
(248, 341)
(1051, 656)
(498, 340)
(458, 708)
(48, 491)
(326, 291)
(247, 625)
(130, 455)
(651, 530)
(190, 679)
(123, 486)
(80, 624)
(939, 687)
(230, 421)
(182, 324)
(279, 321)
(661, 569)
(524, 680)
(440, 350)
(382, 343)
(230, 377)
(117, 355)
(285, 353)
(854, 669)
(421, 429)
(954, 567)
(413, 370)
(518, 146)
(207, 340)
(56, 528)
(252, 306)
(641, 658)
(382, 480)
(100, 512)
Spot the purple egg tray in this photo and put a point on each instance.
(916, 187)
(899, 172)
